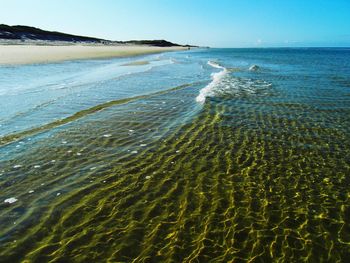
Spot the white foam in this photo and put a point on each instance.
(254, 68)
(216, 78)
(215, 65)
(11, 200)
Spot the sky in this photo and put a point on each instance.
(214, 23)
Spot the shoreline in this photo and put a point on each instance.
(33, 54)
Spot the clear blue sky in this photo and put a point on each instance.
(216, 23)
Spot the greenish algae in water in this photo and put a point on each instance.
(136, 63)
(252, 175)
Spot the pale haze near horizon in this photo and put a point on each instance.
(258, 23)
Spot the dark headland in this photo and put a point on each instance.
(21, 33)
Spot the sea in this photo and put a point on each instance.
(205, 155)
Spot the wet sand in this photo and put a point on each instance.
(28, 54)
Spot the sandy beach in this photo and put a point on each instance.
(28, 54)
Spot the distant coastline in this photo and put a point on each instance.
(26, 34)
(26, 45)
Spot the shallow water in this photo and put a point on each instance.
(257, 169)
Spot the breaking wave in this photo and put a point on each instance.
(224, 85)
(216, 78)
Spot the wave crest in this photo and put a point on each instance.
(226, 86)
(216, 78)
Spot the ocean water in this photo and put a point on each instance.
(208, 155)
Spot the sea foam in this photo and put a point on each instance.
(216, 78)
